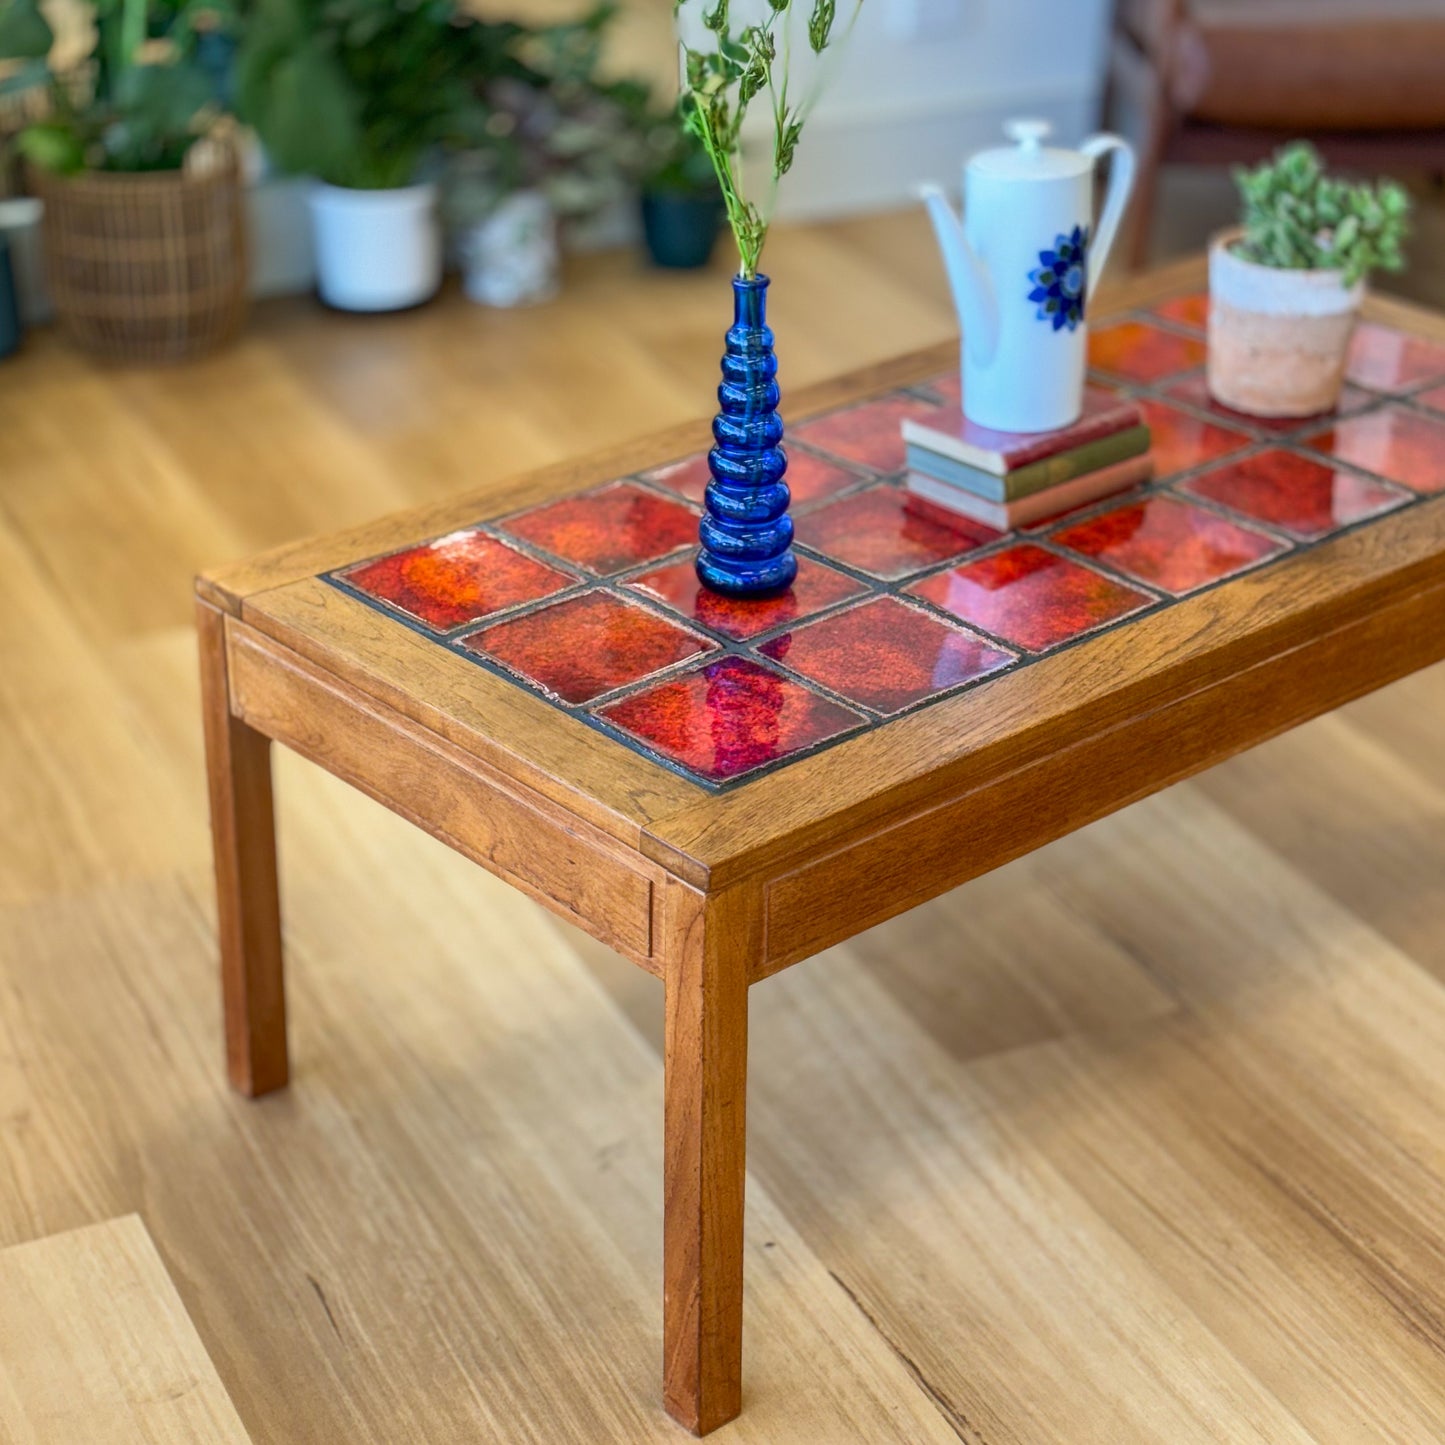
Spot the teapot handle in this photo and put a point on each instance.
(1121, 182)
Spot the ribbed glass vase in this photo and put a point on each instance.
(746, 532)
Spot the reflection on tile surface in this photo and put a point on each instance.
(459, 578)
(1194, 389)
(1029, 596)
(868, 433)
(885, 655)
(1140, 352)
(1300, 495)
(1168, 543)
(815, 588)
(1191, 311)
(619, 526)
(728, 717)
(1178, 440)
(1391, 360)
(584, 646)
(1405, 446)
(810, 478)
(876, 531)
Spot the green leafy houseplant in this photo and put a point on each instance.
(357, 92)
(1298, 217)
(139, 103)
(725, 74)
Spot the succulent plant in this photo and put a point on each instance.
(1298, 217)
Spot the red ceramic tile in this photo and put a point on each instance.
(1031, 597)
(1179, 440)
(1191, 311)
(584, 646)
(1141, 352)
(1194, 389)
(1404, 446)
(1434, 398)
(885, 654)
(810, 478)
(876, 532)
(620, 526)
(1390, 360)
(459, 578)
(815, 588)
(728, 717)
(868, 433)
(1169, 543)
(1304, 497)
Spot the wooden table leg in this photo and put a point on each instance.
(248, 910)
(707, 946)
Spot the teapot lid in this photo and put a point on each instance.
(1028, 159)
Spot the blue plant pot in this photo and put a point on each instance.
(680, 227)
(10, 327)
(746, 532)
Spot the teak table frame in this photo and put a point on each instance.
(712, 892)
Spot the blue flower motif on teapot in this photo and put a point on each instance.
(1062, 279)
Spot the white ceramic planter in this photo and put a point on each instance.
(511, 258)
(376, 250)
(1278, 339)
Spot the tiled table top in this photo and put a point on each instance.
(590, 601)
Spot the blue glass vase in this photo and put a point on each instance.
(746, 532)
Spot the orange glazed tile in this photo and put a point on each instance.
(810, 478)
(1030, 596)
(1390, 360)
(1194, 389)
(1300, 495)
(1169, 543)
(1140, 352)
(619, 526)
(1191, 311)
(463, 577)
(729, 717)
(885, 654)
(1401, 445)
(869, 433)
(584, 646)
(876, 532)
(814, 588)
(1179, 440)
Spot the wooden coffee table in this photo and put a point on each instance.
(719, 790)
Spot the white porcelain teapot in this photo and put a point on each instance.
(1023, 263)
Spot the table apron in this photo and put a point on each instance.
(528, 841)
(875, 877)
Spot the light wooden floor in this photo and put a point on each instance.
(1140, 1139)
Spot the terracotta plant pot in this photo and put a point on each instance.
(1278, 339)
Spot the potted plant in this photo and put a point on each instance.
(682, 209)
(363, 95)
(143, 231)
(562, 148)
(1285, 287)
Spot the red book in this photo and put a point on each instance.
(1002, 452)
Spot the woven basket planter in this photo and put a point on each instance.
(150, 267)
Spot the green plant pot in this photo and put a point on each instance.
(680, 228)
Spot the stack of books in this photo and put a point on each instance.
(1013, 479)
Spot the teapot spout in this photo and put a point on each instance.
(973, 295)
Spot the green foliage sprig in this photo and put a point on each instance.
(721, 80)
(145, 95)
(1298, 217)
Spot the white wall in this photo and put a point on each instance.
(924, 83)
